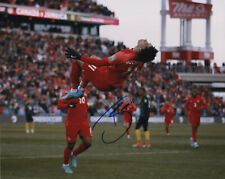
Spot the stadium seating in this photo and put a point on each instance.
(33, 65)
(83, 6)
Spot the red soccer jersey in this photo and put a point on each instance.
(78, 114)
(118, 66)
(128, 109)
(195, 106)
(168, 110)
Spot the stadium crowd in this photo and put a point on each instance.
(83, 6)
(33, 66)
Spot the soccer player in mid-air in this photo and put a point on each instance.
(76, 124)
(169, 111)
(109, 73)
(194, 106)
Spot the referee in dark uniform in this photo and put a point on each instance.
(143, 120)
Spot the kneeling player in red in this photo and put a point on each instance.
(169, 111)
(76, 124)
(194, 106)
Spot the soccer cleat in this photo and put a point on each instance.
(146, 146)
(195, 145)
(73, 161)
(67, 169)
(138, 144)
(77, 93)
(168, 134)
(128, 137)
(191, 142)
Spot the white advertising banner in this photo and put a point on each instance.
(103, 119)
(48, 119)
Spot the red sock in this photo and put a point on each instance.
(127, 129)
(75, 75)
(194, 135)
(81, 148)
(67, 153)
(167, 129)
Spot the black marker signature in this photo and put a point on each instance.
(114, 107)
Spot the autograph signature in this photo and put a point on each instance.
(112, 114)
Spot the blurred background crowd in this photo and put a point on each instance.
(33, 66)
(84, 6)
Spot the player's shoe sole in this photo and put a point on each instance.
(78, 93)
(73, 161)
(67, 169)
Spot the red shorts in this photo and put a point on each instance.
(72, 130)
(168, 121)
(194, 120)
(99, 77)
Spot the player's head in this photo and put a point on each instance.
(194, 92)
(145, 51)
(167, 102)
(141, 91)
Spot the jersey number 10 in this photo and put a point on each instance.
(82, 100)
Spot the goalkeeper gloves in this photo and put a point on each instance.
(72, 105)
(71, 53)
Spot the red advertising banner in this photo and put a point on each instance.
(56, 15)
(34, 12)
(187, 10)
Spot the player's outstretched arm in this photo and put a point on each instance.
(73, 54)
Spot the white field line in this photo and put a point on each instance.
(97, 154)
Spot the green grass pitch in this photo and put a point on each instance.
(40, 155)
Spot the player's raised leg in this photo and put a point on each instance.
(75, 81)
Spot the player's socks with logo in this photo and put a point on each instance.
(67, 169)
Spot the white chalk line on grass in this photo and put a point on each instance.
(97, 154)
